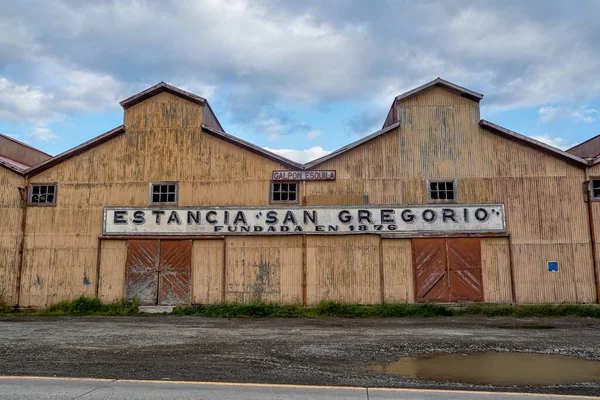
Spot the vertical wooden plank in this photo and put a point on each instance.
(208, 260)
(496, 270)
(113, 259)
(264, 268)
(381, 272)
(343, 268)
(398, 271)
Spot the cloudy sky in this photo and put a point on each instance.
(300, 77)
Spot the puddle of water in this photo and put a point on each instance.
(503, 369)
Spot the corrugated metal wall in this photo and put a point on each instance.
(439, 137)
(264, 269)
(112, 270)
(10, 232)
(495, 269)
(343, 268)
(163, 142)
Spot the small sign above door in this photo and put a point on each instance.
(303, 175)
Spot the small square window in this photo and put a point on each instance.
(42, 194)
(596, 189)
(442, 191)
(164, 193)
(284, 192)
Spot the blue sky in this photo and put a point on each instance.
(299, 78)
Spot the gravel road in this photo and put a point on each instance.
(291, 351)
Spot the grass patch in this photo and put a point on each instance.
(329, 309)
(5, 308)
(85, 306)
(532, 311)
(326, 309)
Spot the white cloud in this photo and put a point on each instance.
(580, 114)
(301, 156)
(558, 142)
(313, 134)
(78, 92)
(42, 133)
(62, 59)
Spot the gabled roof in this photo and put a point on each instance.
(459, 90)
(209, 116)
(350, 146)
(553, 151)
(18, 156)
(498, 130)
(588, 149)
(252, 147)
(159, 88)
(36, 169)
(12, 165)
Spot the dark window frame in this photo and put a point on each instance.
(39, 184)
(594, 180)
(454, 190)
(272, 192)
(163, 203)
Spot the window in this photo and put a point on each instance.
(42, 194)
(595, 189)
(164, 193)
(284, 192)
(442, 191)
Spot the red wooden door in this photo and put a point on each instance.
(431, 268)
(174, 285)
(447, 270)
(141, 279)
(464, 262)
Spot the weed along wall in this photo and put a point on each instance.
(169, 209)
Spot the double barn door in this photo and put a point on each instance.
(447, 270)
(158, 271)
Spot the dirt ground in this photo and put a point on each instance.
(292, 351)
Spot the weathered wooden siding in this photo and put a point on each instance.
(163, 142)
(595, 213)
(208, 260)
(440, 137)
(398, 279)
(343, 268)
(112, 270)
(10, 232)
(264, 268)
(495, 268)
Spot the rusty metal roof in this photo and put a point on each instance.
(587, 149)
(216, 130)
(13, 165)
(159, 88)
(461, 91)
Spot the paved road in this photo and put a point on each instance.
(325, 352)
(90, 389)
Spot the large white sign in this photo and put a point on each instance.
(304, 220)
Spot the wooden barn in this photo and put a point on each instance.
(437, 206)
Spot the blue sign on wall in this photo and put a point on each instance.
(552, 266)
